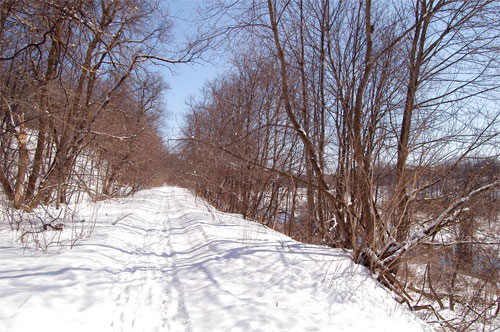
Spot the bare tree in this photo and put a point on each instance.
(386, 101)
(63, 63)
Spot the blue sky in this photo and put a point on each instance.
(186, 82)
(188, 78)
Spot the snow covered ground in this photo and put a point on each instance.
(175, 264)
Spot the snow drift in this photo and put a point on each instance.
(173, 263)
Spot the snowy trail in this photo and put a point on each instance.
(175, 264)
(141, 304)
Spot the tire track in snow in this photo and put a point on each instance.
(176, 294)
(146, 289)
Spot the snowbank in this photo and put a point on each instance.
(172, 263)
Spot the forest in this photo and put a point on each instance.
(371, 126)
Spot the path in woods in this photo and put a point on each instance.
(172, 263)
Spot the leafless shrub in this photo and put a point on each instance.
(46, 227)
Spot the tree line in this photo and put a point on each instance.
(371, 126)
(80, 107)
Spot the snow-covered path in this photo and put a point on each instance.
(175, 264)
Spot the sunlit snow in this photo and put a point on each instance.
(172, 263)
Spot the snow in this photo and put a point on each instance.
(172, 263)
